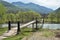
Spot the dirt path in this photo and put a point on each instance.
(37, 36)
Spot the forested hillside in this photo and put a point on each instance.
(34, 7)
(12, 8)
(18, 16)
(10, 12)
(55, 15)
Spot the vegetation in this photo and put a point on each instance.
(24, 32)
(33, 6)
(2, 13)
(12, 8)
(28, 31)
(19, 16)
(2, 30)
(47, 32)
(24, 16)
(54, 16)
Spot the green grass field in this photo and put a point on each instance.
(2, 30)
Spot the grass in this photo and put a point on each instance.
(24, 32)
(2, 30)
(47, 33)
(28, 31)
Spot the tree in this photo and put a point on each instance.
(2, 13)
(27, 16)
(51, 16)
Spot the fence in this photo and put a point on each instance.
(21, 26)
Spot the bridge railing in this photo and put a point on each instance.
(24, 25)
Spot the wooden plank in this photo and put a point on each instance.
(24, 25)
(28, 24)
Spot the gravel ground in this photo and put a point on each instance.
(37, 36)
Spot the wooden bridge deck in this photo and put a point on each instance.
(24, 25)
(13, 31)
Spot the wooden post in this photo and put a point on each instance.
(36, 24)
(18, 29)
(43, 20)
(9, 26)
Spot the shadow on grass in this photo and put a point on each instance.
(57, 34)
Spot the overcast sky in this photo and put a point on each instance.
(53, 4)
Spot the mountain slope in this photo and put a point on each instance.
(57, 10)
(12, 8)
(33, 6)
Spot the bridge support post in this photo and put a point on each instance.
(18, 28)
(36, 24)
(9, 26)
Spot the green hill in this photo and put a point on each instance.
(12, 8)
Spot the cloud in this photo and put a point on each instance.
(54, 4)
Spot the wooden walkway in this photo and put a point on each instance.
(13, 31)
(24, 25)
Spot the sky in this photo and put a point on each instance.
(53, 4)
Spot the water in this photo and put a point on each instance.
(52, 26)
(49, 26)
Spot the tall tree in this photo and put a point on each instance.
(2, 13)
